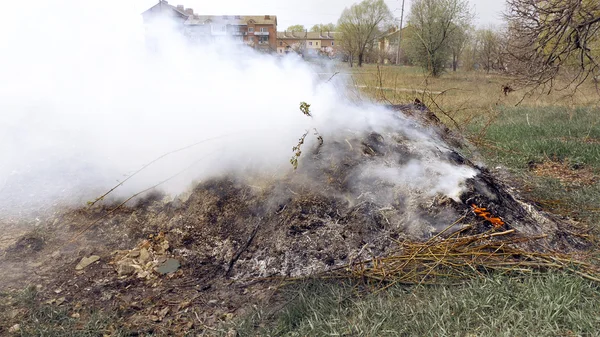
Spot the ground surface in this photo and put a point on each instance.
(557, 167)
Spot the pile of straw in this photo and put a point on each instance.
(461, 256)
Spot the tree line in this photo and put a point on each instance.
(329, 27)
(538, 39)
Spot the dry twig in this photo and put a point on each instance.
(458, 257)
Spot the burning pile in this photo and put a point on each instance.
(351, 198)
(482, 212)
(394, 203)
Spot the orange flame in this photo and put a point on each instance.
(482, 212)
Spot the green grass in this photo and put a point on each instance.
(535, 133)
(540, 305)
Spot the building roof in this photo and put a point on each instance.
(306, 35)
(164, 5)
(392, 32)
(236, 20)
(195, 19)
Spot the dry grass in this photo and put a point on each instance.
(460, 96)
(464, 257)
(569, 174)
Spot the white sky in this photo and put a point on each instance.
(310, 12)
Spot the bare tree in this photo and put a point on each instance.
(437, 23)
(348, 46)
(490, 49)
(547, 36)
(488, 46)
(361, 24)
(458, 42)
(470, 52)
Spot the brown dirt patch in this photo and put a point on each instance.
(585, 140)
(589, 140)
(566, 172)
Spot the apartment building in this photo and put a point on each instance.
(306, 43)
(257, 31)
(387, 45)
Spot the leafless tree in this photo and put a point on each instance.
(348, 46)
(458, 43)
(361, 24)
(547, 37)
(437, 25)
(490, 51)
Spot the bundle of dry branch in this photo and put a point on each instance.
(460, 257)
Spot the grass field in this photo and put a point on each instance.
(551, 145)
(540, 305)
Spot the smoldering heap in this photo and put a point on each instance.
(353, 197)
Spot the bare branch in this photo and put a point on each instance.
(550, 37)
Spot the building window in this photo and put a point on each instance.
(332, 43)
(263, 39)
(251, 29)
(281, 43)
(317, 43)
(264, 29)
(310, 43)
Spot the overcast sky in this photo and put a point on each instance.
(310, 12)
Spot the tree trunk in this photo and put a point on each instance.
(360, 59)
(454, 62)
(350, 61)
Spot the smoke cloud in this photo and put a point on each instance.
(84, 103)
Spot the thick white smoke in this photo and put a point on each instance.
(84, 102)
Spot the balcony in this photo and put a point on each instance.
(261, 33)
(263, 42)
(236, 33)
